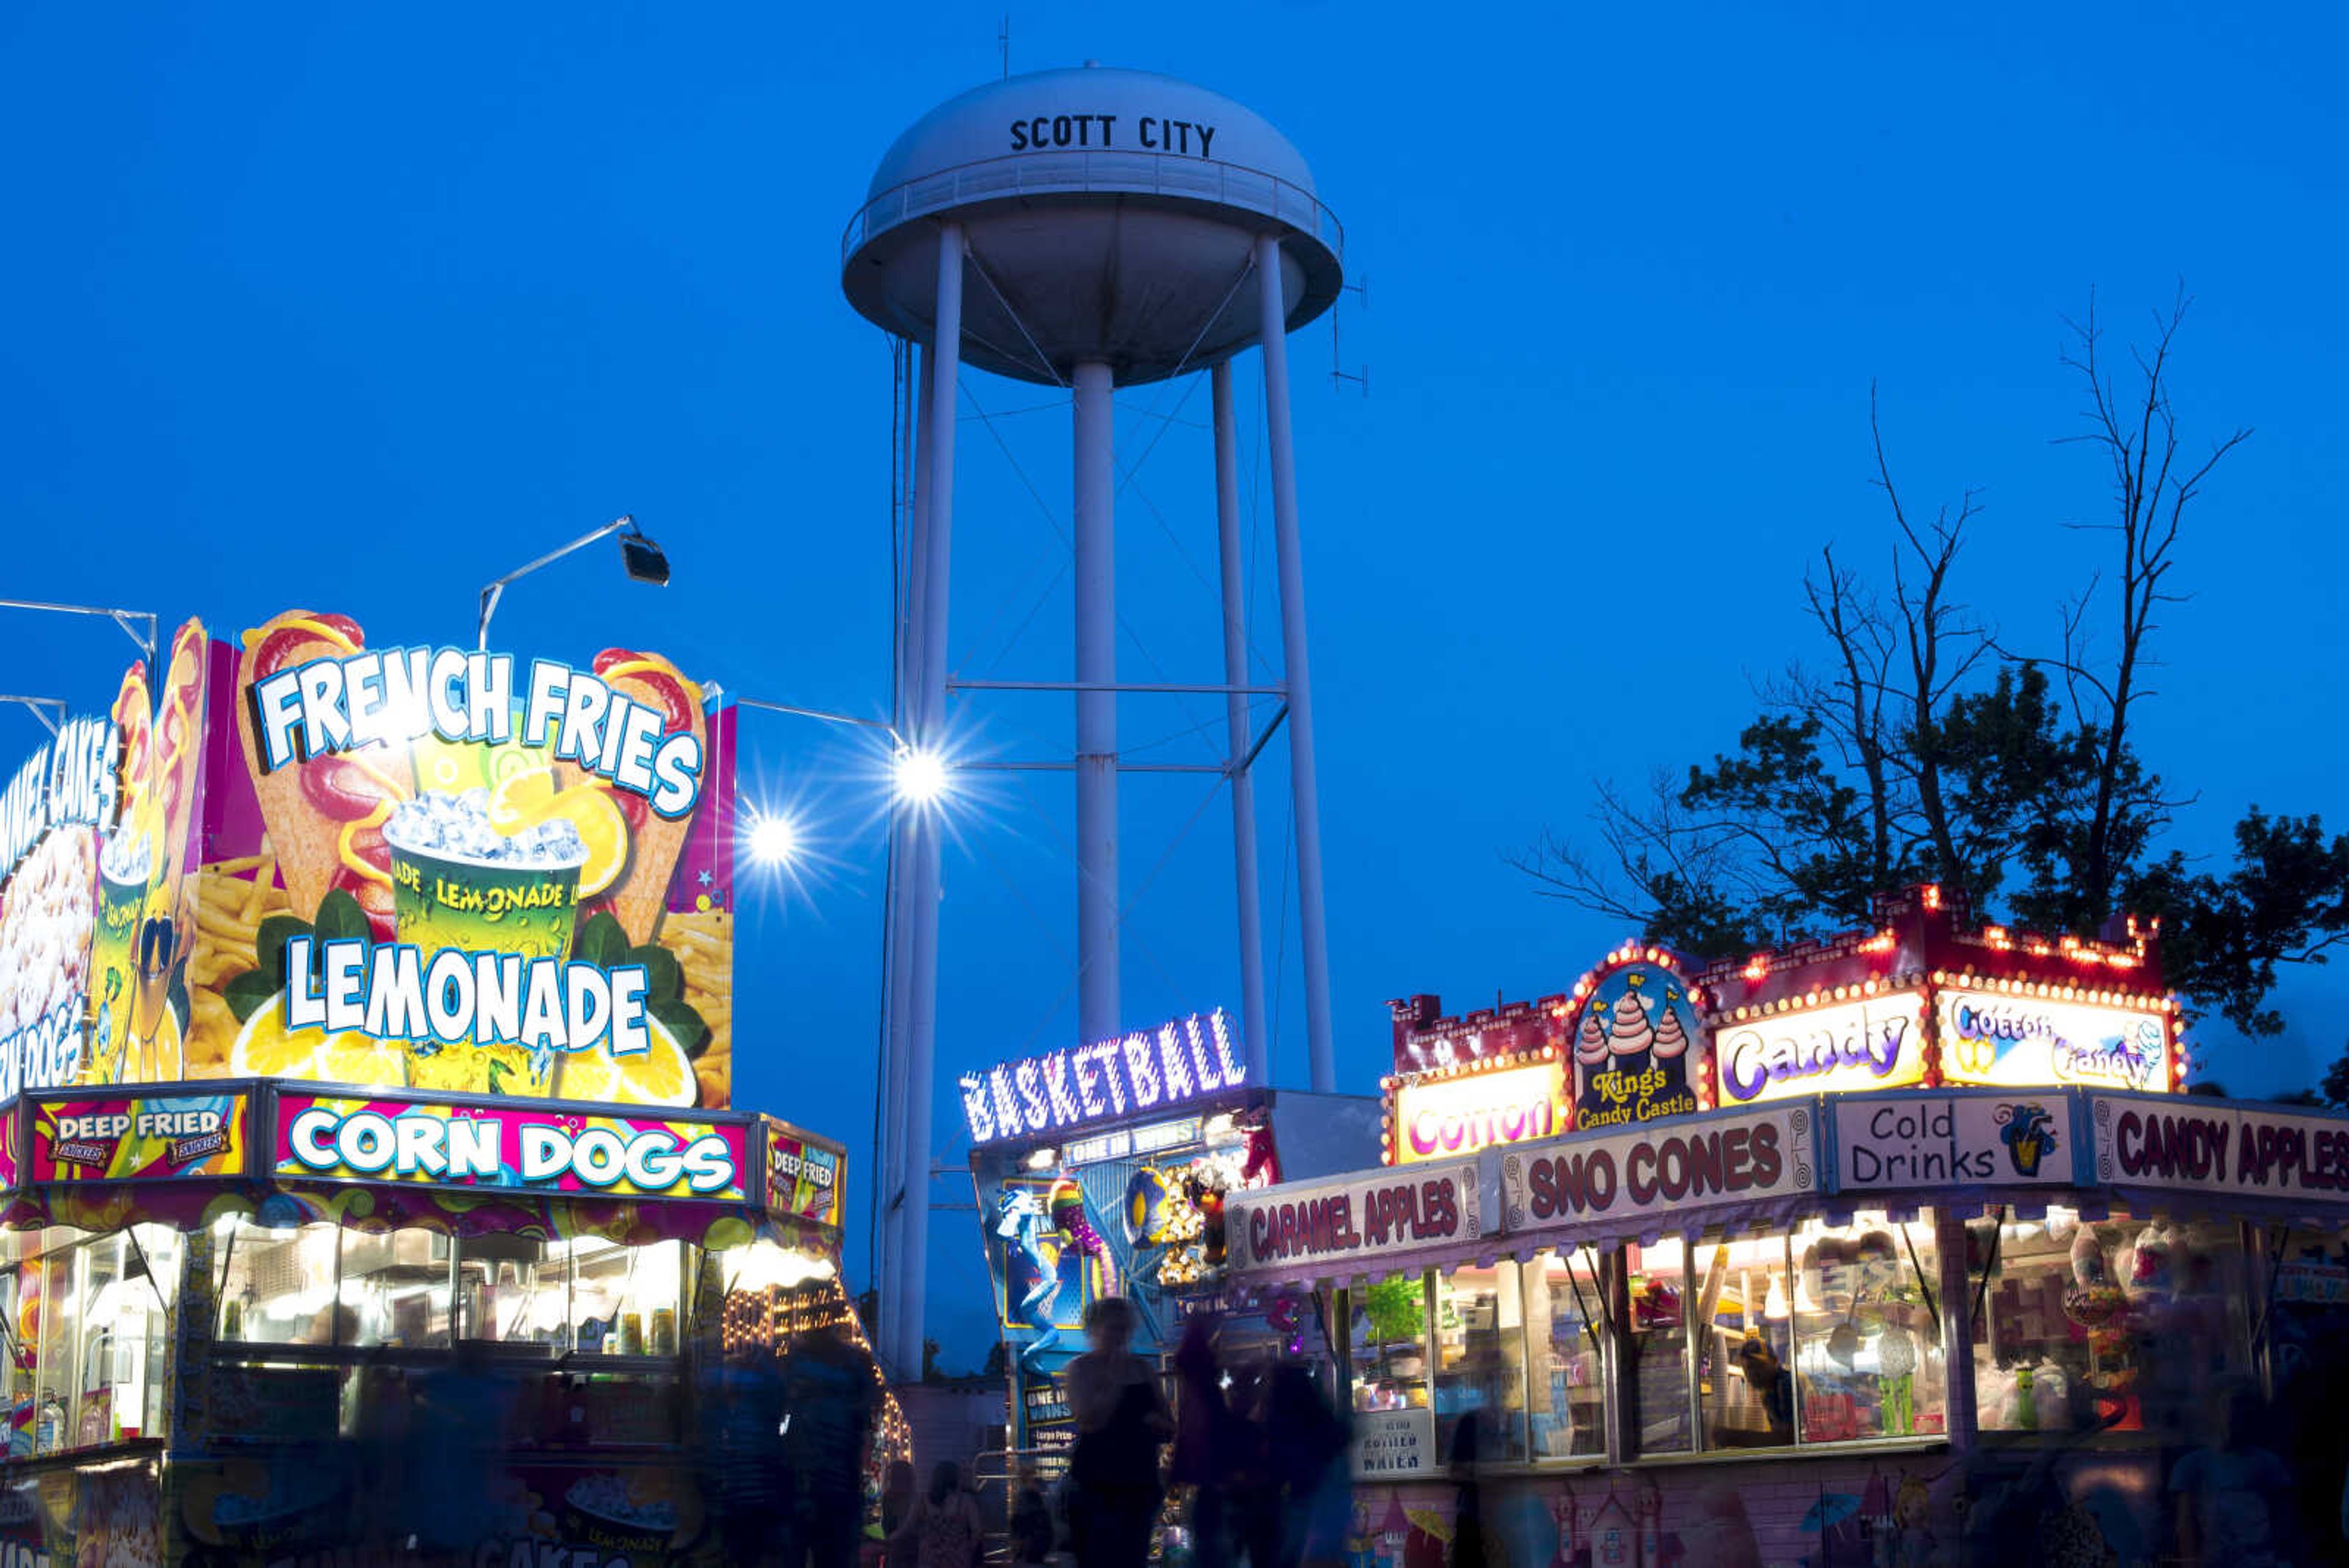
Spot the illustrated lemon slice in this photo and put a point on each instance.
(658, 1077)
(601, 827)
(266, 1049)
(520, 799)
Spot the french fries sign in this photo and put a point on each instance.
(420, 870)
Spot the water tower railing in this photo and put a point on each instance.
(1096, 172)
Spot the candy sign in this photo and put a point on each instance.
(2018, 1041)
(139, 1139)
(1462, 1115)
(1632, 1046)
(1874, 1044)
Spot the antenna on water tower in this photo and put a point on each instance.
(1338, 371)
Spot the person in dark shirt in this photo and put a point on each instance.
(829, 1397)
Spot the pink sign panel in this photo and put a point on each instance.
(507, 1148)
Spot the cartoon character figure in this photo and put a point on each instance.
(1067, 1203)
(1913, 1543)
(1021, 1225)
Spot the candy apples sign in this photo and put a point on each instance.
(465, 872)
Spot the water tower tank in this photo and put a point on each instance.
(1109, 216)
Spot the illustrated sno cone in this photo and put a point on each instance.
(1590, 1040)
(1671, 1039)
(1629, 1032)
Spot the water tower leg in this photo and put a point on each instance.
(922, 886)
(1254, 1041)
(1096, 593)
(1305, 790)
(891, 1177)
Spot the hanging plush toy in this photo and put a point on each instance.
(2094, 1302)
(1066, 1204)
(1021, 1225)
(2149, 1279)
(1284, 1317)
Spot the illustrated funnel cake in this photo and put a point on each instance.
(638, 894)
(325, 815)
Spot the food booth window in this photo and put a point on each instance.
(320, 1285)
(89, 1321)
(1387, 1342)
(2122, 1323)
(1658, 1417)
(1565, 1360)
(1480, 1360)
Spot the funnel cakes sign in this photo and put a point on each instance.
(464, 872)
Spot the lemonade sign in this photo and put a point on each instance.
(466, 872)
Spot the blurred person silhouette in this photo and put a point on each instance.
(744, 1461)
(1311, 1495)
(944, 1526)
(1469, 1547)
(1032, 1535)
(2233, 1498)
(456, 1440)
(1112, 1485)
(829, 1395)
(1212, 1449)
(898, 1496)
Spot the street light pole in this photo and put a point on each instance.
(129, 620)
(642, 558)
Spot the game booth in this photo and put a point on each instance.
(366, 1134)
(1106, 1169)
(1866, 1251)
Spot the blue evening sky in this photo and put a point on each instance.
(357, 308)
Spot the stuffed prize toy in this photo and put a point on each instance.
(2094, 1302)
(1066, 1205)
(2148, 1278)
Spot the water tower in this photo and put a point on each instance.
(1086, 230)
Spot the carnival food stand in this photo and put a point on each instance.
(367, 1067)
(1105, 1170)
(1944, 1230)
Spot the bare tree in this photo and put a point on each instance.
(2151, 490)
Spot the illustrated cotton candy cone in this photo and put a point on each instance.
(640, 893)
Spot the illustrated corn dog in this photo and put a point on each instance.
(324, 815)
(637, 896)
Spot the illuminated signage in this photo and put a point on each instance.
(1875, 1043)
(1149, 1070)
(1910, 1141)
(1992, 1038)
(1682, 1164)
(803, 1177)
(1631, 1043)
(1352, 1220)
(1462, 1115)
(2184, 1142)
(138, 1139)
(507, 1146)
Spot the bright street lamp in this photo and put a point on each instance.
(774, 838)
(920, 776)
(640, 557)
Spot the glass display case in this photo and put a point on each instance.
(2118, 1325)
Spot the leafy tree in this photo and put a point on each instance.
(1922, 746)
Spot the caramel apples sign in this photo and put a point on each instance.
(466, 872)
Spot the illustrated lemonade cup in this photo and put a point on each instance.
(124, 863)
(457, 881)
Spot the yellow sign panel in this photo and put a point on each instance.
(1447, 1117)
(1877, 1042)
(2025, 1042)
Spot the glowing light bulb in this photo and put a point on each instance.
(774, 839)
(921, 776)
(1774, 1305)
